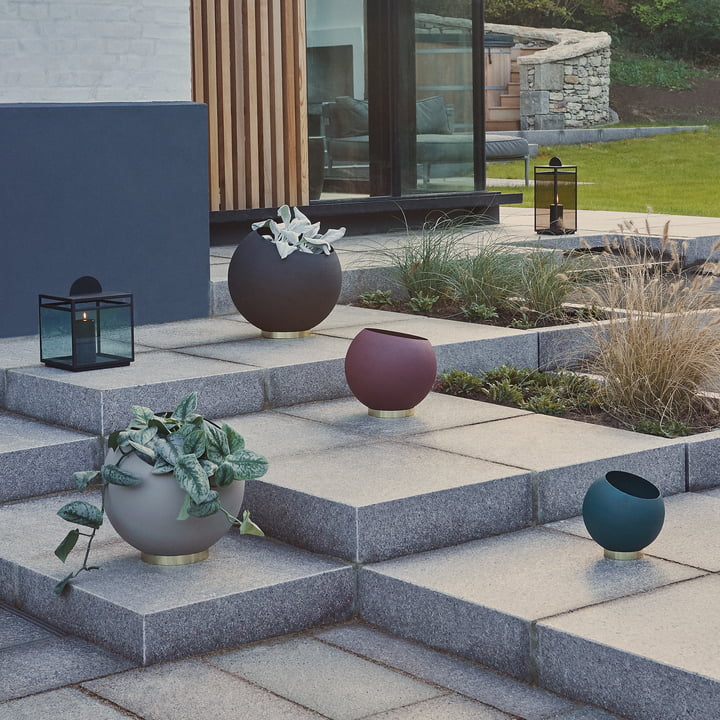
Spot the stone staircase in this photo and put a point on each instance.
(456, 528)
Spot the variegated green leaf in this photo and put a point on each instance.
(69, 542)
(194, 443)
(234, 438)
(115, 439)
(183, 514)
(224, 475)
(186, 407)
(166, 451)
(142, 413)
(85, 477)
(192, 478)
(209, 467)
(81, 513)
(208, 507)
(161, 467)
(162, 426)
(117, 476)
(143, 451)
(248, 527)
(144, 436)
(247, 465)
(217, 441)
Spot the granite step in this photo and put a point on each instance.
(250, 589)
(543, 605)
(37, 458)
(235, 370)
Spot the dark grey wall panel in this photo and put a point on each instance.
(114, 190)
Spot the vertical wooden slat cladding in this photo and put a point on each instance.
(249, 67)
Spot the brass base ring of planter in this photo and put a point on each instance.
(616, 555)
(175, 559)
(391, 413)
(272, 335)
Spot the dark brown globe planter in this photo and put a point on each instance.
(390, 372)
(283, 297)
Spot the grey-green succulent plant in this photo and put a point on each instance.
(298, 233)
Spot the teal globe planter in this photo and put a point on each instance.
(623, 513)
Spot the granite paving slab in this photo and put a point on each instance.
(689, 535)
(652, 656)
(375, 501)
(298, 370)
(249, 589)
(450, 707)
(470, 680)
(192, 689)
(332, 682)
(276, 434)
(565, 455)
(480, 600)
(100, 401)
(186, 333)
(436, 412)
(17, 629)
(63, 704)
(36, 458)
(33, 668)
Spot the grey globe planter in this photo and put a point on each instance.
(623, 513)
(145, 516)
(283, 297)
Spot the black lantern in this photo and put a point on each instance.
(87, 330)
(556, 198)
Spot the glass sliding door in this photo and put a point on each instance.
(395, 97)
(444, 96)
(337, 99)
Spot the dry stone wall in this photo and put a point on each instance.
(565, 82)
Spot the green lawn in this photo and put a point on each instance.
(676, 174)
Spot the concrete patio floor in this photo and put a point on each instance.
(432, 567)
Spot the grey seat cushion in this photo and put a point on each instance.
(436, 148)
(505, 147)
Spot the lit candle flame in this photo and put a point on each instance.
(84, 316)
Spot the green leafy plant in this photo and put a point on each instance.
(298, 234)
(671, 429)
(478, 313)
(550, 393)
(200, 455)
(422, 303)
(458, 382)
(376, 299)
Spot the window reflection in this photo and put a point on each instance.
(337, 104)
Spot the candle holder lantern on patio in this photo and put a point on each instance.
(556, 198)
(88, 329)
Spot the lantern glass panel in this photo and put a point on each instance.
(556, 200)
(56, 335)
(86, 332)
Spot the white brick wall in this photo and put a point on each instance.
(94, 50)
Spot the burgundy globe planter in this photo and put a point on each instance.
(283, 297)
(390, 372)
